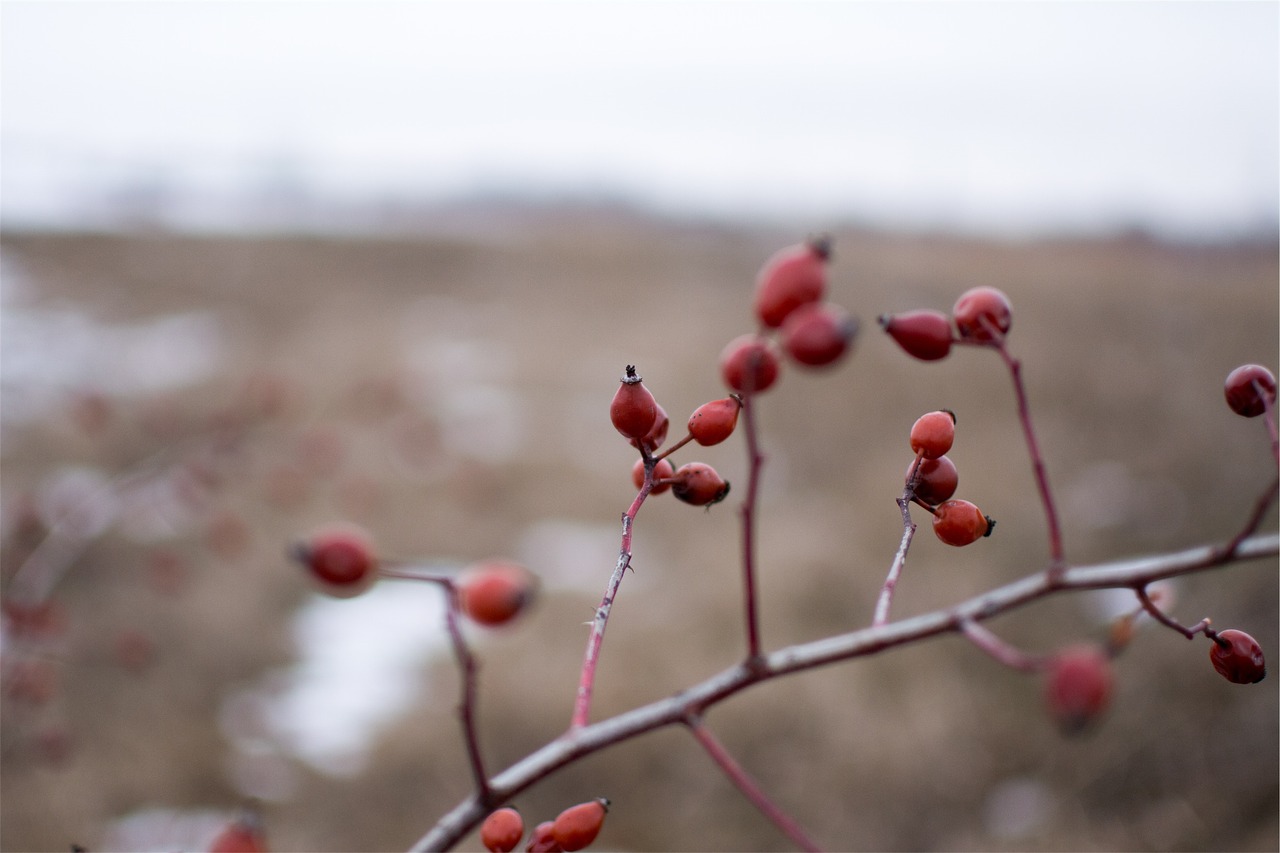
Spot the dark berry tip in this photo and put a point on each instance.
(991, 525)
(820, 245)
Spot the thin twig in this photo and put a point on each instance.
(467, 707)
(748, 786)
(998, 649)
(755, 462)
(885, 600)
(591, 658)
(1057, 556)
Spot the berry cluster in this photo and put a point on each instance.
(932, 480)
(982, 315)
(573, 829)
(795, 322)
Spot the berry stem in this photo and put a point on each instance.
(1269, 416)
(1001, 651)
(747, 785)
(885, 601)
(1260, 508)
(755, 462)
(1154, 611)
(591, 659)
(467, 707)
(673, 448)
(1057, 556)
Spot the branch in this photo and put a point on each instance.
(576, 743)
(753, 792)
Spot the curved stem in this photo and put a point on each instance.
(748, 786)
(755, 462)
(591, 658)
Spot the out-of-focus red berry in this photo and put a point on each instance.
(494, 592)
(818, 334)
(982, 314)
(749, 364)
(1245, 389)
(794, 276)
(923, 334)
(1077, 688)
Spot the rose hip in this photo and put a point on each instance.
(794, 276)
(633, 410)
(923, 334)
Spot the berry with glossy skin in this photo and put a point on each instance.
(711, 423)
(502, 830)
(924, 334)
(494, 592)
(662, 470)
(936, 479)
(1078, 683)
(1237, 657)
(794, 276)
(541, 840)
(1245, 387)
(749, 364)
(340, 559)
(699, 484)
(818, 334)
(577, 826)
(933, 433)
(960, 523)
(633, 410)
(981, 310)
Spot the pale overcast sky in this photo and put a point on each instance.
(999, 116)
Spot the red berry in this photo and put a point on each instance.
(933, 433)
(699, 484)
(982, 314)
(243, 835)
(577, 826)
(960, 523)
(711, 423)
(661, 471)
(502, 830)
(541, 840)
(795, 276)
(749, 364)
(658, 432)
(495, 591)
(633, 410)
(1245, 389)
(818, 334)
(936, 479)
(1238, 657)
(1078, 686)
(340, 558)
(923, 334)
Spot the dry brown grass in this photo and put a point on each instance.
(1125, 342)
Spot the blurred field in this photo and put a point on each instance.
(450, 393)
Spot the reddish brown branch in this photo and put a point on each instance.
(748, 786)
